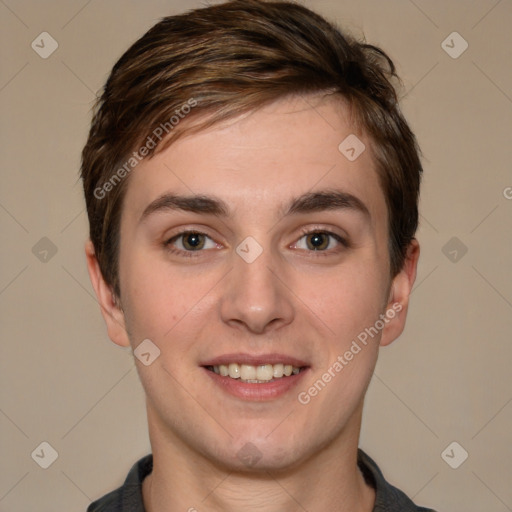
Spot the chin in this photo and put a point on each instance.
(265, 453)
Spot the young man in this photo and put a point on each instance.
(252, 192)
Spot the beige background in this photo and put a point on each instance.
(447, 378)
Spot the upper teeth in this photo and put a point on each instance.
(250, 373)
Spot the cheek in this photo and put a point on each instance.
(161, 301)
(348, 300)
(350, 303)
(147, 297)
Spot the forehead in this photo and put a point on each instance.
(292, 146)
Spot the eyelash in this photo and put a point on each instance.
(191, 254)
(187, 254)
(327, 252)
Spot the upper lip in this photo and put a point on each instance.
(254, 359)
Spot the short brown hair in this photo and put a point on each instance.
(228, 59)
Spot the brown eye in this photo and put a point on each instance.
(190, 241)
(193, 241)
(321, 242)
(190, 244)
(317, 241)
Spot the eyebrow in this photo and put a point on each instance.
(307, 203)
(195, 204)
(326, 200)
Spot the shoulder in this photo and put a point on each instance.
(387, 497)
(128, 497)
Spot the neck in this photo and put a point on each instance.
(184, 480)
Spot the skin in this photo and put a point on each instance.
(310, 304)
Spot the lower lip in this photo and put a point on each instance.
(257, 392)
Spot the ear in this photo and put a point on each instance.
(398, 301)
(110, 309)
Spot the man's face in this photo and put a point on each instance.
(285, 263)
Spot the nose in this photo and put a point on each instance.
(255, 299)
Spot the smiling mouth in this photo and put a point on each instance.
(255, 374)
